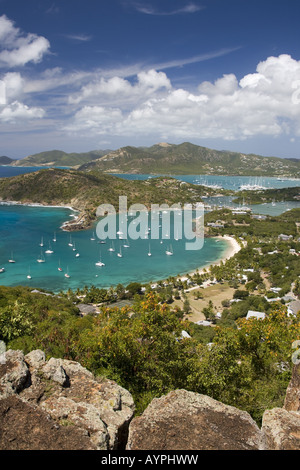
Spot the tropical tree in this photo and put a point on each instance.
(15, 321)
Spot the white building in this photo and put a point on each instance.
(257, 315)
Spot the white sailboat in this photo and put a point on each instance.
(100, 263)
(93, 237)
(112, 248)
(54, 237)
(120, 253)
(70, 242)
(169, 252)
(67, 273)
(11, 260)
(42, 242)
(126, 244)
(59, 267)
(41, 259)
(2, 270)
(49, 251)
(29, 275)
(149, 252)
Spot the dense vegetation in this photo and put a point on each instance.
(268, 195)
(86, 191)
(243, 362)
(184, 158)
(142, 348)
(192, 159)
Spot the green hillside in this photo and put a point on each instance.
(187, 158)
(86, 191)
(59, 158)
(268, 195)
(6, 160)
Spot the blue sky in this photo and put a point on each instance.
(95, 74)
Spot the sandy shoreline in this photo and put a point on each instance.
(233, 248)
(35, 204)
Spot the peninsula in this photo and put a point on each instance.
(85, 191)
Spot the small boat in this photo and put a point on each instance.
(67, 273)
(49, 251)
(102, 242)
(77, 255)
(99, 263)
(112, 248)
(70, 242)
(2, 270)
(41, 259)
(28, 275)
(93, 237)
(54, 238)
(149, 252)
(126, 244)
(169, 252)
(11, 260)
(120, 253)
(59, 267)
(42, 242)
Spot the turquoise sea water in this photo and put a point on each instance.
(22, 229)
(227, 182)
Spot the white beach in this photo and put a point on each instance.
(233, 248)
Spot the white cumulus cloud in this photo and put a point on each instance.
(17, 48)
(18, 111)
(260, 104)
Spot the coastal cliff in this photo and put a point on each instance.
(59, 405)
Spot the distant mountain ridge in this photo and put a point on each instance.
(6, 160)
(170, 159)
(187, 158)
(59, 158)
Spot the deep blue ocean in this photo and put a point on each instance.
(24, 227)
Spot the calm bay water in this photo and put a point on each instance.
(23, 227)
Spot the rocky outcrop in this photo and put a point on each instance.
(185, 420)
(60, 405)
(292, 399)
(189, 421)
(281, 426)
(65, 395)
(281, 429)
